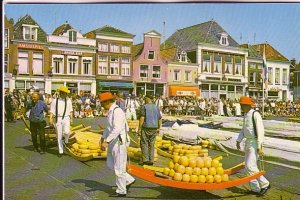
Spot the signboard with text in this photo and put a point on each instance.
(30, 46)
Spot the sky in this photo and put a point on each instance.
(253, 23)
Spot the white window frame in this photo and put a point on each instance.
(125, 49)
(151, 54)
(145, 71)
(71, 59)
(239, 66)
(125, 66)
(20, 63)
(6, 38)
(284, 76)
(86, 61)
(114, 48)
(103, 47)
(73, 37)
(229, 66)
(174, 75)
(6, 63)
(187, 76)
(61, 64)
(206, 62)
(270, 75)
(156, 72)
(102, 65)
(219, 63)
(277, 72)
(253, 77)
(34, 70)
(114, 66)
(32, 32)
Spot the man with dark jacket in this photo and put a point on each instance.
(150, 122)
(8, 101)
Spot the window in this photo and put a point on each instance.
(156, 72)
(151, 55)
(114, 66)
(6, 63)
(87, 65)
(143, 71)
(30, 32)
(206, 63)
(6, 39)
(72, 36)
(270, 75)
(188, 76)
(277, 76)
(73, 65)
(182, 57)
(224, 39)
(231, 88)
(23, 62)
(125, 49)
(252, 77)
(252, 65)
(284, 76)
(228, 65)
(238, 66)
(103, 47)
(259, 66)
(204, 87)
(102, 65)
(37, 65)
(176, 75)
(125, 67)
(58, 64)
(214, 87)
(114, 48)
(217, 64)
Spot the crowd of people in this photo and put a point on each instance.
(87, 105)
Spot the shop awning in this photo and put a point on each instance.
(115, 84)
(184, 91)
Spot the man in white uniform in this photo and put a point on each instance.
(62, 109)
(116, 140)
(254, 134)
(131, 104)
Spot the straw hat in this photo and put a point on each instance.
(105, 96)
(63, 89)
(246, 100)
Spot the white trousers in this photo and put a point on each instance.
(63, 129)
(131, 114)
(251, 158)
(116, 161)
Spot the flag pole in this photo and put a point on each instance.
(263, 86)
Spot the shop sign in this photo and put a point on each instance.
(72, 84)
(185, 93)
(30, 46)
(72, 53)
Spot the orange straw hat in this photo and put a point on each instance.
(246, 100)
(105, 96)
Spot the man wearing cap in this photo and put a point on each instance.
(253, 131)
(62, 109)
(116, 141)
(150, 122)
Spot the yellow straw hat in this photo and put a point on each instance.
(63, 89)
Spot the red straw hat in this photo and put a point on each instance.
(105, 96)
(246, 100)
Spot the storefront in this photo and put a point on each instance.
(184, 91)
(114, 87)
(221, 91)
(149, 89)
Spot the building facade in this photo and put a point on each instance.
(182, 74)
(29, 55)
(222, 65)
(149, 68)
(72, 60)
(113, 59)
(9, 69)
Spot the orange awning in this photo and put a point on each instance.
(184, 91)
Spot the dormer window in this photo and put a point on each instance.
(30, 32)
(151, 55)
(182, 56)
(224, 39)
(72, 36)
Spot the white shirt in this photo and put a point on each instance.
(61, 107)
(248, 129)
(131, 103)
(159, 103)
(117, 124)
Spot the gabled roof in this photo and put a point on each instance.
(207, 32)
(137, 50)
(271, 53)
(111, 31)
(251, 51)
(151, 33)
(18, 30)
(62, 29)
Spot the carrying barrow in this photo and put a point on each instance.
(151, 176)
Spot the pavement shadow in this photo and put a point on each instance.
(49, 149)
(95, 186)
